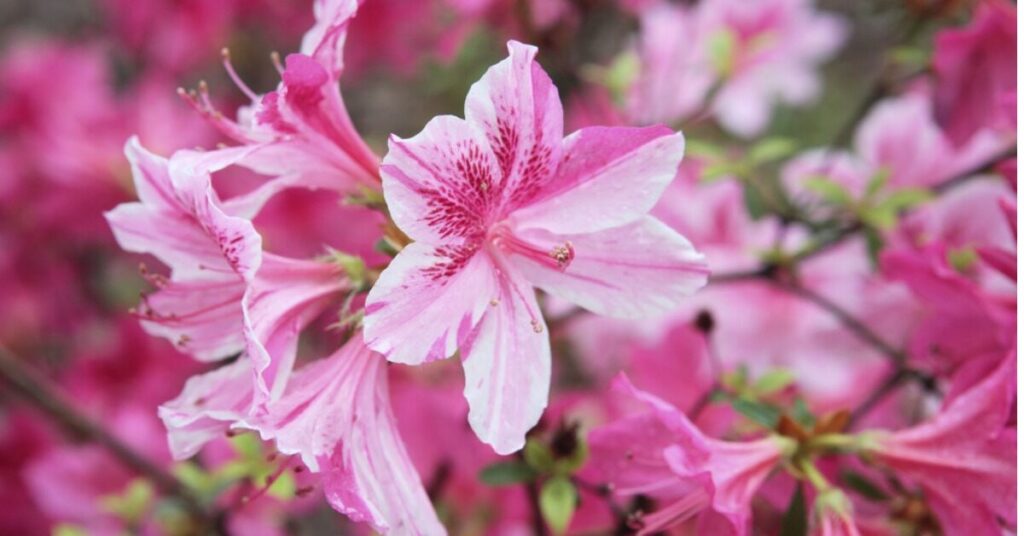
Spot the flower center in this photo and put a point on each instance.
(557, 256)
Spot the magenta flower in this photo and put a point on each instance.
(498, 203)
(976, 68)
(964, 458)
(697, 479)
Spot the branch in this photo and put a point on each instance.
(36, 391)
(895, 379)
(851, 323)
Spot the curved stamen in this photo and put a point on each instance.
(225, 55)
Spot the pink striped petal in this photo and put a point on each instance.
(508, 368)
(427, 302)
(639, 270)
(611, 176)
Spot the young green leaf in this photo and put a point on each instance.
(507, 473)
(557, 503)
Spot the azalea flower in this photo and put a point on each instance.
(300, 134)
(661, 454)
(498, 203)
(964, 457)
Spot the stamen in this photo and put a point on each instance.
(225, 55)
(563, 254)
(558, 257)
(275, 58)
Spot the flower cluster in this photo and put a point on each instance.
(404, 283)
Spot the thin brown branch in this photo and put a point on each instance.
(849, 321)
(37, 392)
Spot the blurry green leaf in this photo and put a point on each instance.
(722, 49)
(794, 523)
(830, 191)
(754, 201)
(557, 503)
(801, 413)
(864, 487)
(507, 473)
(704, 150)
(67, 529)
(910, 57)
(771, 150)
(621, 73)
(385, 247)
(877, 182)
(131, 504)
(758, 412)
(962, 259)
(718, 171)
(736, 380)
(772, 381)
(284, 487)
(875, 244)
(538, 456)
(904, 199)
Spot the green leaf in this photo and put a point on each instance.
(802, 414)
(385, 247)
(718, 171)
(772, 382)
(557, 503)
(758, 412)
(507, 473)
(830, 191)
(722, 49)
(962, 259)
(621, 73)
(703, 149)
(794, 523)
(130, 505)
(863, 486)
(284, 487)
(904, 199)
(771, 150)
(754, 202)
(875, 244)
(67, 529)
(877, 182)
(538, 456)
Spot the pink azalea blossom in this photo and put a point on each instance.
(498, 203)
(224, 294)
(661, 454)
(833, 515)
(964, 457)
(760, 52)
(976, 68)
(336, 415)
(301, 134)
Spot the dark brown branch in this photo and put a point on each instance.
(37, 392)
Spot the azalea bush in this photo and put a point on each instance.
(508, 267)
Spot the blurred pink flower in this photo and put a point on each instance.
(661, 454)
(964, 457)
(497, 203)
(759, 52)
(976, 70)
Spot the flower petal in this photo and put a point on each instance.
(287, 295)
(336, 415)
(518, 109)
(440, 185)
(508, 369)
(427, 302)
(638, 270)
(207, 407)
(611, 176)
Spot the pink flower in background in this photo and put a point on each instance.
(498, 203)
(964, 457)
(759, 52)
(660, 453)
(976, 72)
(833, 515)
